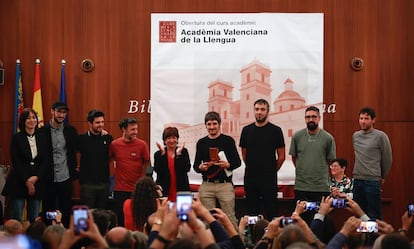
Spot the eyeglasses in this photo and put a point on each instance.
(311, 117)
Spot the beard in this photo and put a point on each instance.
(261, 120)
(312, 126)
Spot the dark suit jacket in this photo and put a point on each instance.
(182, 166)
(24, 166)
(71, 136)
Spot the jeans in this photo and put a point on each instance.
(368, 195)
(17, 205)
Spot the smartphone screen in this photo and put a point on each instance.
(80, 218)
(184, 200)
(51, 215)
(252, 220)
(312, 206)
(410, 209)
(286, 221)
(339, 203)
(368, 227)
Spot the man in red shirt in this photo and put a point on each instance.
(131, 156)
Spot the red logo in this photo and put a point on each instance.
(168, 31)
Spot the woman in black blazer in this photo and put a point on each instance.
(29, 157)
(172, 163)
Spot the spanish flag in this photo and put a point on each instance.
(37, 94)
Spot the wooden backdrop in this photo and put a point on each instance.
(116, 36)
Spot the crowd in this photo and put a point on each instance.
(151, 213)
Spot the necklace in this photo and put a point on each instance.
(312, 138)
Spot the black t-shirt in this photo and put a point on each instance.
(261, 144)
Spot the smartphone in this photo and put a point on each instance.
(80, 218)
(286, 221)
(368, 227)
(214, 154)
(251, 220)
(51, 215)
(312, 206)
(184, 200)
(410, 209)
(339, 203)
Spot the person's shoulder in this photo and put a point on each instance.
(300, 132)
(326, 133)
(249, 126)
(227, 137)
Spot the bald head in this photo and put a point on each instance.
(13, 227)
(119, 237)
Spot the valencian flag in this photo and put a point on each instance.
(18, 103)
(37, 94)
(62, 93)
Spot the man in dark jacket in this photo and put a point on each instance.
(62, 162)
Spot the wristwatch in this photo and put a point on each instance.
(157, 221)
(267, 239)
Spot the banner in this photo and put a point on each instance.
(37, 94)
(18, 103)
(224, 62)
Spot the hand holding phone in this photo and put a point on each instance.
(184, 200)
(339, 203)
(286, 221)
(368, 227)
(251, 220)
(80, 218)
(51, 215)
(312, 206)
(410, 209)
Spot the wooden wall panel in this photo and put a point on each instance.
(116, 36)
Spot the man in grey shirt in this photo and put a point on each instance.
(62, 162)
(373, 159)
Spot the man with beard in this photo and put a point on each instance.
(312, 149)
(131, 156)
(373, 159)
(261, 141)
(62, 162)
(216, 157)
(93, 146)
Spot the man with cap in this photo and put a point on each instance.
(62, 162)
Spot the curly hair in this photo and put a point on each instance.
(144, 201)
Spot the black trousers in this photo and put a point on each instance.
(261, 197)
(58, 196)
(120, 197)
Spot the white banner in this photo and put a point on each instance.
(224, 62)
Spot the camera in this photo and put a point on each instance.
(184, 200)
(51, 215)
(410, 209)
(312, 206)
(286, 221)
(339, 203)
(80, 218)
(251, 220)
(368, 227)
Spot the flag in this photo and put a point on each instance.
(62, 93)
(18, 103)
(37, 94)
